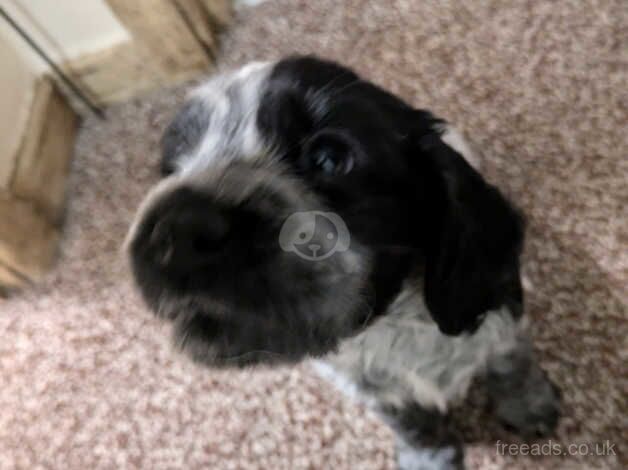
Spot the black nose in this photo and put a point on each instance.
(189, 237)
(200, 232)
(184, 232)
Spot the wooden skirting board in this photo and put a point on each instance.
(171, 40)
(31, 205)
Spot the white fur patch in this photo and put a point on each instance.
(404, 357)
(428, 458)
(452, 137)
(232, 100)
(343, 384)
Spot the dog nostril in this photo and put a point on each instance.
(201, 243)
(183, 237)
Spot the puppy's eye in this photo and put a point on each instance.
(328, 154)
(331, 162)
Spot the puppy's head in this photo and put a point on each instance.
(298, 198)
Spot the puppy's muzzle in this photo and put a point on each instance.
(206, 253)
(193, 233)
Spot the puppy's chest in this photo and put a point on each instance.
(405, 347)
(392, 343)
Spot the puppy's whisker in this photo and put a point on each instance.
(238, 358)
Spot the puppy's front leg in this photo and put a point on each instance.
(424, 437)
(524, 398)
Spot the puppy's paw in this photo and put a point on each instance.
(425, 439)
(532, 412)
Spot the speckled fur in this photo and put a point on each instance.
(403, 357)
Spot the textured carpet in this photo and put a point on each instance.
(87, 377)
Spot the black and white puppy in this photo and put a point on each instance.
(309, 213)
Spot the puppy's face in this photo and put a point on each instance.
(299, 198)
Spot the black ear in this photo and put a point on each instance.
(283, 117)
(473, 241)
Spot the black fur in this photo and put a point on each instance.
(409, 197)
(377, 199)
(473, 245)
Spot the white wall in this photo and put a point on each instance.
(65, 29)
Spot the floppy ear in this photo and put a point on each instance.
(473, 241)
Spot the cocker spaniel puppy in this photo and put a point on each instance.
(307, 213)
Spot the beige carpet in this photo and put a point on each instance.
(87, 378)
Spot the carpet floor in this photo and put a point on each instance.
(88, 379)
